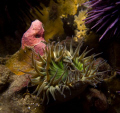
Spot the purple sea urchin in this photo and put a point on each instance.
(60, 70)
(105, 15)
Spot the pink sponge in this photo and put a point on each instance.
(33, 36)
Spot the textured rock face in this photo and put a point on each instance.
(4, 76)
(12, 97)
(16, 97)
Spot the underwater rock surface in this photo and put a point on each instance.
(51, 22)
(12, 97)
(16, 97)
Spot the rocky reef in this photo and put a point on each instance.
(58, 64)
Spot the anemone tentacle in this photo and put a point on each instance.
(60, 70)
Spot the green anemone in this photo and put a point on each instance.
(60, 70)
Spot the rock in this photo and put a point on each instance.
(18, 83)
(13, 97)
(97, 100)
(4, 76)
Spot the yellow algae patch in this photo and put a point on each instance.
(53, 14)
(51, 20)
(20, 61)
(66, 7)
(69, 7)
(55, 29)
(80, 2)
(80, 32)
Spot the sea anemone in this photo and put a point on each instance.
(104, 17)
(61, 70)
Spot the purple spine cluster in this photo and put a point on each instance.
(105, 14)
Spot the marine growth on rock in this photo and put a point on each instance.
(61, 70)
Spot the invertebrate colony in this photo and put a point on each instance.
(61, 69)
(105, 16)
